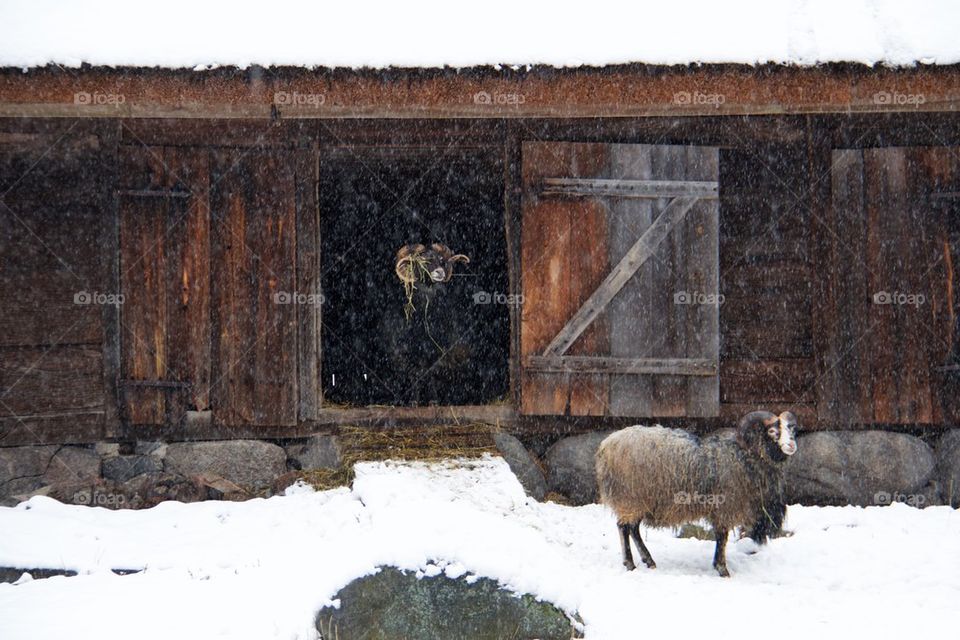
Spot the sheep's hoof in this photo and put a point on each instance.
(650, 563)
(629, 565)
(722, 570)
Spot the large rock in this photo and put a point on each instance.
(571, 467)
(948, 467)
(141, 492)
(392, 604)
(249, 463)
(22, 468)
(859, 467)
(72, 464)
(523, 465)
(122, 468)
(319, 452)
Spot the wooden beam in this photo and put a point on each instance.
(617, 91)
(590, 364)
(600, 187)
(639, 253)
(155, 193)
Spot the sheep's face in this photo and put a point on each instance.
(437, 260)
(781, 434)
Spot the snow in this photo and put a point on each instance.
(261, 569)
(430, 33)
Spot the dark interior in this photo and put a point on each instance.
(451, 350)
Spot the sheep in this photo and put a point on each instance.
(667, 477)
(437, 262)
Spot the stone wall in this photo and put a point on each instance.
(830, 468)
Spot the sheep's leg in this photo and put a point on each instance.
(720, 555)
(625, 546)
(644, 552)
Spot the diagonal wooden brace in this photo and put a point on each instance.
(638, 254)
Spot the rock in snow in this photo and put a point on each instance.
(523, 464)
(571, 467)
(858, 467)
(392, 604)
(249, 463)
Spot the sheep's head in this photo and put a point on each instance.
(768, 435)
(437, 262)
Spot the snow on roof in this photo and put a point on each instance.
(437, 33)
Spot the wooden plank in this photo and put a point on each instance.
(699, 272)
(629, 90)
(840, 385)
(628, 188)
(631, 327)
(36, 380)
(308, 262)
(767, 381)
(110, 262)
(622, 272)
(58, 428)
(513, 223)
(885, 175)
(589, 392)
(623, 366)
(254, 220)
(38, 308)
(143, 317)
(546, 258)
(165, 277)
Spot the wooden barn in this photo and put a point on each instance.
(210, 254)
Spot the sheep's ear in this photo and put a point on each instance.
(441, 249)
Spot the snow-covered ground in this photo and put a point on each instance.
(260, 569)
(434, 33)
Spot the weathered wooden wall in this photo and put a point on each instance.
(200, 223)
(55, 211)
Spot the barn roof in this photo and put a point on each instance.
(435, 33)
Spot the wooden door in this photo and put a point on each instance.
(890, 315)
(165, 282)
(220, 277)
(257, 203)
(619, 258)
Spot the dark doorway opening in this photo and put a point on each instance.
(453, 349)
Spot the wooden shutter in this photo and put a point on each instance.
(216, 247)
(617, 239)
(165, 282)
(889, 320)
(254, 206)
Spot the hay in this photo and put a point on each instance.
(411, 269)
(424, 443)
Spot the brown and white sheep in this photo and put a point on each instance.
(667, 477)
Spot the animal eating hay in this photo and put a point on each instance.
(417, 264)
